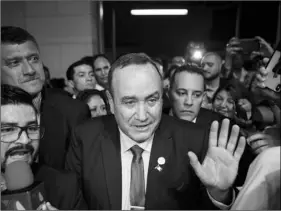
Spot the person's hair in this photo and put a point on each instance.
(86, 95)
(211, 53)
(11, 95)
(91, 59)
(231, 88)
(16, 35)
(170, 71)
(189, 68)
(130, 59)
(70, 70)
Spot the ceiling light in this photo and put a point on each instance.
(159, 12)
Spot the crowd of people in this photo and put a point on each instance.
(142, 132)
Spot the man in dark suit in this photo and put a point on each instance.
(139, 159)
(20, 141)
(22, 67)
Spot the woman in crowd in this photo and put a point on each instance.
(231, 101)
(96, 101)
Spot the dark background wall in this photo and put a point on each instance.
(210, 22)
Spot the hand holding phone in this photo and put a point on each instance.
(273, 70)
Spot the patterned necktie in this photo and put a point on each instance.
(137, 187)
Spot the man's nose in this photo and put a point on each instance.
(28, 68)
(141, 113)
(223, 104)
(103, 71)
(205, 67)
(188, 100)
(23, 139)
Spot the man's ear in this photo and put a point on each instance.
(70, 83)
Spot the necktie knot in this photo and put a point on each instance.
(137, 151)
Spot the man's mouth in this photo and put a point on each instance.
(20, 152)
(187, 112)
(30, 79)
(142, 127)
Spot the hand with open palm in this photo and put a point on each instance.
(220, 166)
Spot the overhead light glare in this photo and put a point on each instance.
(159, 12)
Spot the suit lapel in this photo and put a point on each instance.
(162, 147)
(112, 163)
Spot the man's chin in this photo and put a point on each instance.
(26, 158)
(33, 90)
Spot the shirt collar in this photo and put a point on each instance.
(127, 143)
(37, 102)
(172, 114)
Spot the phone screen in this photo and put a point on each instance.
(273, 68)
(249, 45)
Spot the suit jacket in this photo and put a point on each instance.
(59, 115)
(58, 190)
(95, 156)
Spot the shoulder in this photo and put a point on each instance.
(176, 124)
(93, 126)
(61, 100)
(187, 136)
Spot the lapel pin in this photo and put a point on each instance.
(160, 161)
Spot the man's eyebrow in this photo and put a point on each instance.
(155, 94)
(8, 124)
(12, 124)
(128, 98)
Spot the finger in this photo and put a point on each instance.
(223, 133)
(50, 207)
(263, 71)
(240, 148)
(197, 166)
(260, 149)
(213, 136)
(265, 60)
(256, 137)
(257, 144)
(233, 139)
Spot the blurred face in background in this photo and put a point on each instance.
(224, 104)
(83, 78)
(137, 95)
(187, 95)
(97, 106)
(21, 67)
(101, 69)
(14, 147)
(212, 67)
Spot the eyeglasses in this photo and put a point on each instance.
(11, 134)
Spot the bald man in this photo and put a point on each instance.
(212, 64)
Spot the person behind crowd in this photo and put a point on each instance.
(231, 102)
(178, 61)
(101, 66)
(21, 66)
(96, 100)
(80, 76)
(144, 153)
(187, 94)
(20, 141)
(211, 64)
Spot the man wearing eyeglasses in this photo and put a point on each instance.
(20, 141)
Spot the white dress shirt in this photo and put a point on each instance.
(126, 162)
